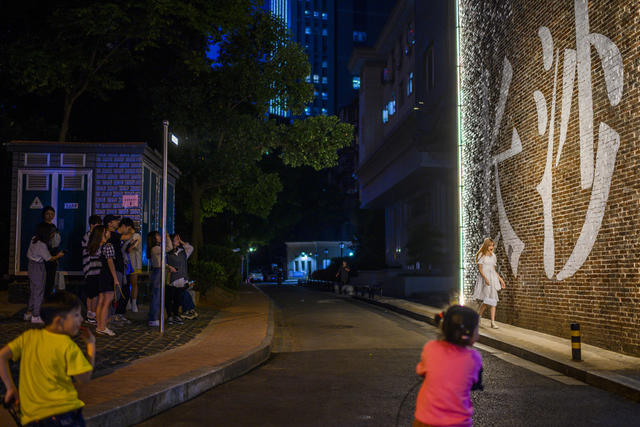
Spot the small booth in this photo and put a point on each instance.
(79, 179)
(303, 258)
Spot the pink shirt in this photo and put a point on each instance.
(444, 398)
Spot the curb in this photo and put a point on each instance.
(152, 400)
(608, 381)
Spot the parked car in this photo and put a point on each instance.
(255, 276)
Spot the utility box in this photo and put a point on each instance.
(79, 179)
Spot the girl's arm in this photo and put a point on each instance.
(188, 249)
(5, 374)
(112, 269)
(486, 281)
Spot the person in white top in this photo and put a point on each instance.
(134, 252)
(489, 281)
(37, 254)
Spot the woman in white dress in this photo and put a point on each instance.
(489, 281)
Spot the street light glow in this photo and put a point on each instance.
(174, 139)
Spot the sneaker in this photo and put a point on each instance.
(128, 305)
(27, 316)
(177, 320)
(91, 320)
(134, 306)
(154, 323)
(189, 315)
(106, 331)
(170, 320)
(37, 320)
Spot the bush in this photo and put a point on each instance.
(229, 261)
(207, 274)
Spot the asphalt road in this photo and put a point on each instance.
(338, 362)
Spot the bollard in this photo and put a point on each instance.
(575, 342)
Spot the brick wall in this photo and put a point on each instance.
(117, 174)
(565, 75)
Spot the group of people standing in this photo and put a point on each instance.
(111, 263)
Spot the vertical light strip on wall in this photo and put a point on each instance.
(460, 157)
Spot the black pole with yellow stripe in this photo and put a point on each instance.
(575, 342)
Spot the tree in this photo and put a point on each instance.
(223, 111)
(71, 48)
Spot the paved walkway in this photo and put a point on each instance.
(187, 360)
(602, 368)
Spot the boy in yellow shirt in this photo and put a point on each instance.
(49, 359)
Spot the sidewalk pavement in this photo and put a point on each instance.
(611, 371)
(228, 344)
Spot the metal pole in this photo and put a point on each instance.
(165, 143)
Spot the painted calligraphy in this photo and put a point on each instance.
(596, 177)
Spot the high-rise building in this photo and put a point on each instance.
(329, 30)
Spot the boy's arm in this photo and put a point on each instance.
(5, 374)
(90, 340)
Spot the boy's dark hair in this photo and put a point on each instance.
(458, 325)
(46, 209)
(95, 220)
(60, 304)
(127, 222)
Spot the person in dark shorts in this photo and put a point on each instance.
(91, 269)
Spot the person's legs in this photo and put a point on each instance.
(37, 278)
(154, 305)
(186, 302)
(168, 299)
(493, 316)
(133, 278)
(51, 267)
(483, 307)
(102, 316)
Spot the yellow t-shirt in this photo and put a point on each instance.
(48, 362)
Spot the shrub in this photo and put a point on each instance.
(229, 261)
(207, 274)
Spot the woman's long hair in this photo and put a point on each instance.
(95, 239)
(484, 249)
(151, 242)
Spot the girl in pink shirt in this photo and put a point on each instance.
(451, 369)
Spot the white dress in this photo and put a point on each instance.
(487, 294)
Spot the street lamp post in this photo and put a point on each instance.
(165, 155)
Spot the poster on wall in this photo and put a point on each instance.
(129, 200)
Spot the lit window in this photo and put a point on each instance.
(324, 64)
(307, 30)
(359, 36)
(307, 111)
(307, 13)
(391, 106)
(410, 84)
(324, 111)
(316, 78)
(307, 79)
(324, 32)
(324, 80)
(325, 16)
(316, 14)
(355, 82)
(324, 95)
(385, 115)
